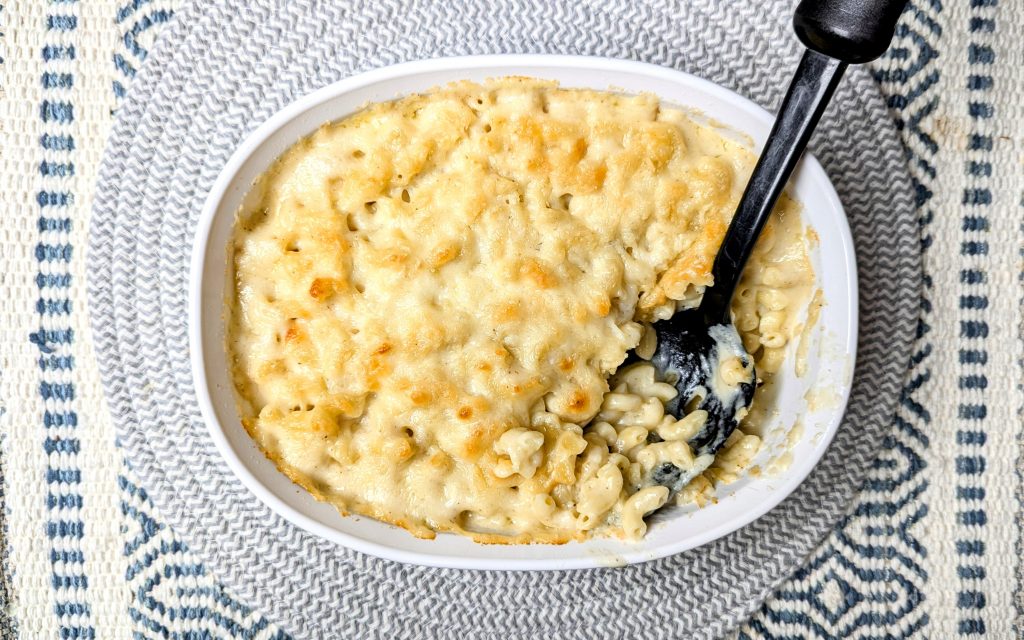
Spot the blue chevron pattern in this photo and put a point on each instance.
(866, 580)
(173, 596)
(141, 21)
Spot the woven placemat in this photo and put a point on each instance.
(220, 70)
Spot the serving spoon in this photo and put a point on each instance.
(693, 344)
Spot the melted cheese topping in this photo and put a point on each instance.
(432, 294)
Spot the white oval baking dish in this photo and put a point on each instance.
(814, 401)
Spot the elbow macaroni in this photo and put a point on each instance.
(637, 506)
(433, 299)
(522, 453)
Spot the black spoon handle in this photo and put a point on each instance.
(815, 80)
(836, 32)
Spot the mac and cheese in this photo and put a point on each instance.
(433, 297)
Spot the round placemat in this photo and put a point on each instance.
(220, 70)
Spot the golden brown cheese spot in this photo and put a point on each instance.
(503, 354)
(440, 460)
(376, 370)
(693, 270)
(480, 439)
(443, 254)
(583, 178)
(349, 406)
(567, 147)
(578, 401)
(293, 332)
(435, 276)
(269, 369)
(420, 397)
(537, 273)
(321, 288)
(507, 312)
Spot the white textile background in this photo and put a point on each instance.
(931, 546)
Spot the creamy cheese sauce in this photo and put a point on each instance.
(431, 297)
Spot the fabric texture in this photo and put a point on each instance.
(929, 546)
(182, 120)
(86, 556)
